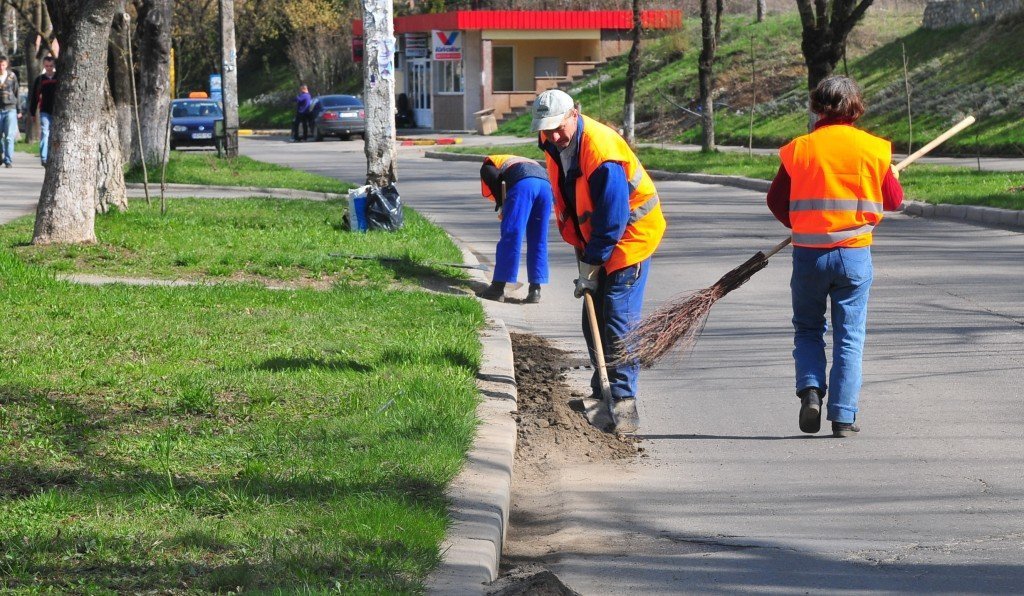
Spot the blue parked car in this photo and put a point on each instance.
(193, 122)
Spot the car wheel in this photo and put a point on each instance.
(173, 147)
(362, 136)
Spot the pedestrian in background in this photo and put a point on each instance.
(831, 190)
(40, 104)
(303, 113)
(9, 111)
(608, 209)
(524, 212)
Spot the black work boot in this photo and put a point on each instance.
(810, 409)
(495, 291)
(844, 429)
(533, 297)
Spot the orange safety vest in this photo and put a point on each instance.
(599, 144)
(836, 177)
(503, 163)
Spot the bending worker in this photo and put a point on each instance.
(524, 212)
(831, 190)
(608, 209)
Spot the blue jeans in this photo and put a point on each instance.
(44, 136)
(525, 212)
(617, 302)
(843, 276)
(9, 130)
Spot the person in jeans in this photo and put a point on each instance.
(303, 114)
(831, 190)
(9, 111)
(40, 101)
(524, 213)
(608, 209)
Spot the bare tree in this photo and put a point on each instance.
(632, 74)
(153, 32)
(119, 77)
(710, 32)
(67, 211)
(110, 186)
(826, 26)
(762, 7)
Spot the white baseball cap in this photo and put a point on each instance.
(550, 109)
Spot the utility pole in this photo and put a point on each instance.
(379, 91)
(229, 77)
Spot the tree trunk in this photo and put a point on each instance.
(67, 210)
(632, 74)
(229, 77)
(153, 30)
(762, 7)
(379, 91)
(33, 67)
(120, 83)
(710, 28)
(110, 188)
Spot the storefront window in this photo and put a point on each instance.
(449, 77)
(503, 68)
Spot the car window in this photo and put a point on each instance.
(194, 109)
(340, 101)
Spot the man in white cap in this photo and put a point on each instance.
(608, 209)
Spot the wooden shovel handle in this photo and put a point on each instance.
(595, 333)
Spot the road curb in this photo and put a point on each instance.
(242, 191)
(481, 495)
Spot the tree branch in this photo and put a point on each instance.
(46, 37)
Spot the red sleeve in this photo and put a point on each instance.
(892, 192)
(778, 196)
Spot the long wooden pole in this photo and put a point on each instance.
(595, 333)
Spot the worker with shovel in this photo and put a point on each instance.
(522, 197)
(608, 209)
(831, 190)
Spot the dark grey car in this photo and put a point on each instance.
(339, 116)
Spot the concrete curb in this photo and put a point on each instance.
(992, 216)
(242, 191)
(481, 494)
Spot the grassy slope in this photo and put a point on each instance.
(953, 72)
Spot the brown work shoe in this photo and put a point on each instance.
(810, 409)
(844, 429)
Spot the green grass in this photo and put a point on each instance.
(210, 170)
(229, 437)
(257, 239)
(30, 148)
(933, 184)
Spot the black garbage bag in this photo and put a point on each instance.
(384, 209)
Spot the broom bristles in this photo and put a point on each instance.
(677, 325)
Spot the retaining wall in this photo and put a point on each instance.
(939, 14)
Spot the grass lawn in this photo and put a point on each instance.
(30, 148)
(209, 170)
(257, 239)
(216, 438)
(933, 184)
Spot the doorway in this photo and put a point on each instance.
(419, 93)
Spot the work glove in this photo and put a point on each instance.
(587, 281)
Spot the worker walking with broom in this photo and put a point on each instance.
(522, 197)
(831, 190)
(608, 209)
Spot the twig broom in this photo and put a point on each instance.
(679, 323)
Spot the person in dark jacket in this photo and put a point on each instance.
(40, 104)
(9, 111)
(522, 196)
(303, 114)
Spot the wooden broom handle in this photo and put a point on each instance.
(899, 167)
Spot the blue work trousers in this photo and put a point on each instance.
(617, 302)
(842, 276)
(9, 132)
(525, 212)
(44, 137)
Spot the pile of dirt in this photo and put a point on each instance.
(529, 580)
(552, 428)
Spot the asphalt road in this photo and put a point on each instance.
(929, 497)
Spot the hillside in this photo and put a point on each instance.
(952, 72)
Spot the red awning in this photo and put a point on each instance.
(468, 20)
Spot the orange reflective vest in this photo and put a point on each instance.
(599, 144)
(836, 177)
(503, 163)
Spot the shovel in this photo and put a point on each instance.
(599, 413)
